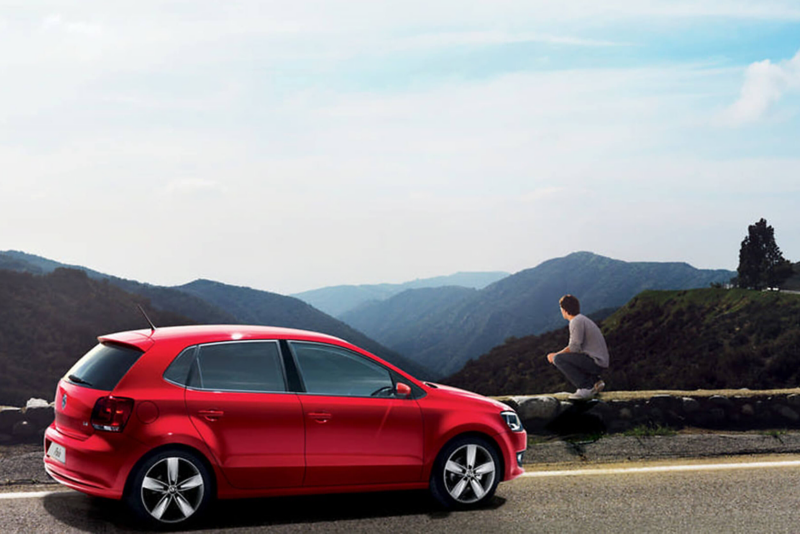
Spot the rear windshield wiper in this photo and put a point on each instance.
(77, 380)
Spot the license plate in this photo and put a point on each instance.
(57, 452)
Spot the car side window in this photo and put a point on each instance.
(178, 370)
(239, 366)
(329, 370)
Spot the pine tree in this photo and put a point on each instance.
(761, 263)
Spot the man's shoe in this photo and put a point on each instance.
(582, 394)
(598, 387)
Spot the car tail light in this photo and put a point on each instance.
(111, 414)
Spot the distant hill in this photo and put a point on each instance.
(699, 339)
(15, 260)
(251, 306)
(160, 297)
(395, 319)
(337, 300)
(457, 327)
(47, 322)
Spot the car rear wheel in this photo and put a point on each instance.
(171, 488)
(466, 473)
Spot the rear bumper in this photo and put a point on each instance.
(98, 465)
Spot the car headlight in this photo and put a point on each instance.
(512, 420)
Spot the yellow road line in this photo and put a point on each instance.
(662, 469)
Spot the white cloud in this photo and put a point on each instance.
(545, 193)
(193, 185)
(57, 23)
(451, 39)
(765, 83)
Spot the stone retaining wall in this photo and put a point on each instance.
(545, 414)
(25, 425)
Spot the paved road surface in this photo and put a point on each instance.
(634, 497)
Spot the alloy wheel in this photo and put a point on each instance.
(172, 490)
(469, 473)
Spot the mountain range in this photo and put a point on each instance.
(337, 300)
(430, 331)
(209, 302)
(443, 328)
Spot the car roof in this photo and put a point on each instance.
(213, 333)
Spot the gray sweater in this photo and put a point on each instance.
(585, 337)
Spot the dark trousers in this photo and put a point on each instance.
(579, 368)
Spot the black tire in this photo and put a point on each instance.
(466, 473)
(170, 489)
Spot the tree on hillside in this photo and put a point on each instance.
(761, 263)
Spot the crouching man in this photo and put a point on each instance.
(586, 356)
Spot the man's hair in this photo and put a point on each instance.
(570, 304)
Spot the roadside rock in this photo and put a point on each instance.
(788, 413)
(741, 410)
(8, 418)
(23, 430)
(25, 424)
(538, 408)
(690, 405)
(40, 416)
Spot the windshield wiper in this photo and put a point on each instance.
(77, 380)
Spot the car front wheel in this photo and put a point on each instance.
(170, 488)
(466, 473)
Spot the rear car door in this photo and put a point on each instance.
(357, 431)
(238, 400)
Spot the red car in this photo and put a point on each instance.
(169, 419)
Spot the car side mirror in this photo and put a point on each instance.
(403, 390)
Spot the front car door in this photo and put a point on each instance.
(357, 431)
(237, 399)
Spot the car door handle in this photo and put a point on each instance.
(320, 417)
(211, 415)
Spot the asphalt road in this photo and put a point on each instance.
(709, 495)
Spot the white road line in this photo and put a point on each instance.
(661, 469)
(29, 495)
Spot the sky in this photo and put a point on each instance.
(288, 146)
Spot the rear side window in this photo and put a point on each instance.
(178, 371)
(239, 366)
(103, 366)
